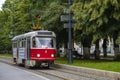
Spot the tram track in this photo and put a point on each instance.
(60, 74)
(39, 71)
(64, 75)
(86, 75)
(72, 75)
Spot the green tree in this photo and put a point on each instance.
(5, 42)
(29, 13)
(97, 16)
(51, 21)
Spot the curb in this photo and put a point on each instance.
(102, 73)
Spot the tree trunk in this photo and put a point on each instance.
(116, 48)
(86, 42)
(105, 47)
(97, 51)
(86, 52)
(58, 50)
(65, 49)
(117, 53)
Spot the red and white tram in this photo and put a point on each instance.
(34, 48)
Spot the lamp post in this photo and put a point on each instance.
(70, 34)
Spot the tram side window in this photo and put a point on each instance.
(14, 45)
(24, 43)
(20, 45)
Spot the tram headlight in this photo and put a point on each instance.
(52, 55)
(38, 55)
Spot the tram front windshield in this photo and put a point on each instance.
(39, 42)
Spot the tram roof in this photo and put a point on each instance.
(35, 33)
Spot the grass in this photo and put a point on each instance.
(6, 55)
(96, 64)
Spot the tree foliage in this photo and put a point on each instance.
(97, 18)
(31, 13)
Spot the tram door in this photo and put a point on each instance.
(28, 48)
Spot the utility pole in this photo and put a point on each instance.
(67, 18)
(70, 34)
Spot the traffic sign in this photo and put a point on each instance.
(65, 18)
(66, 25)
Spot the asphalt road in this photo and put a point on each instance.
(8, 72)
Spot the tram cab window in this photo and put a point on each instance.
(43, 42)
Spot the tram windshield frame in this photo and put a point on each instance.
(43, 42)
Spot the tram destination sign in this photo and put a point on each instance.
(44, 33)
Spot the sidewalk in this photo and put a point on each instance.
(102, 73)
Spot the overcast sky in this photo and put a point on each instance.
(1, 2)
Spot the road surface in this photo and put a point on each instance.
(8, 72)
